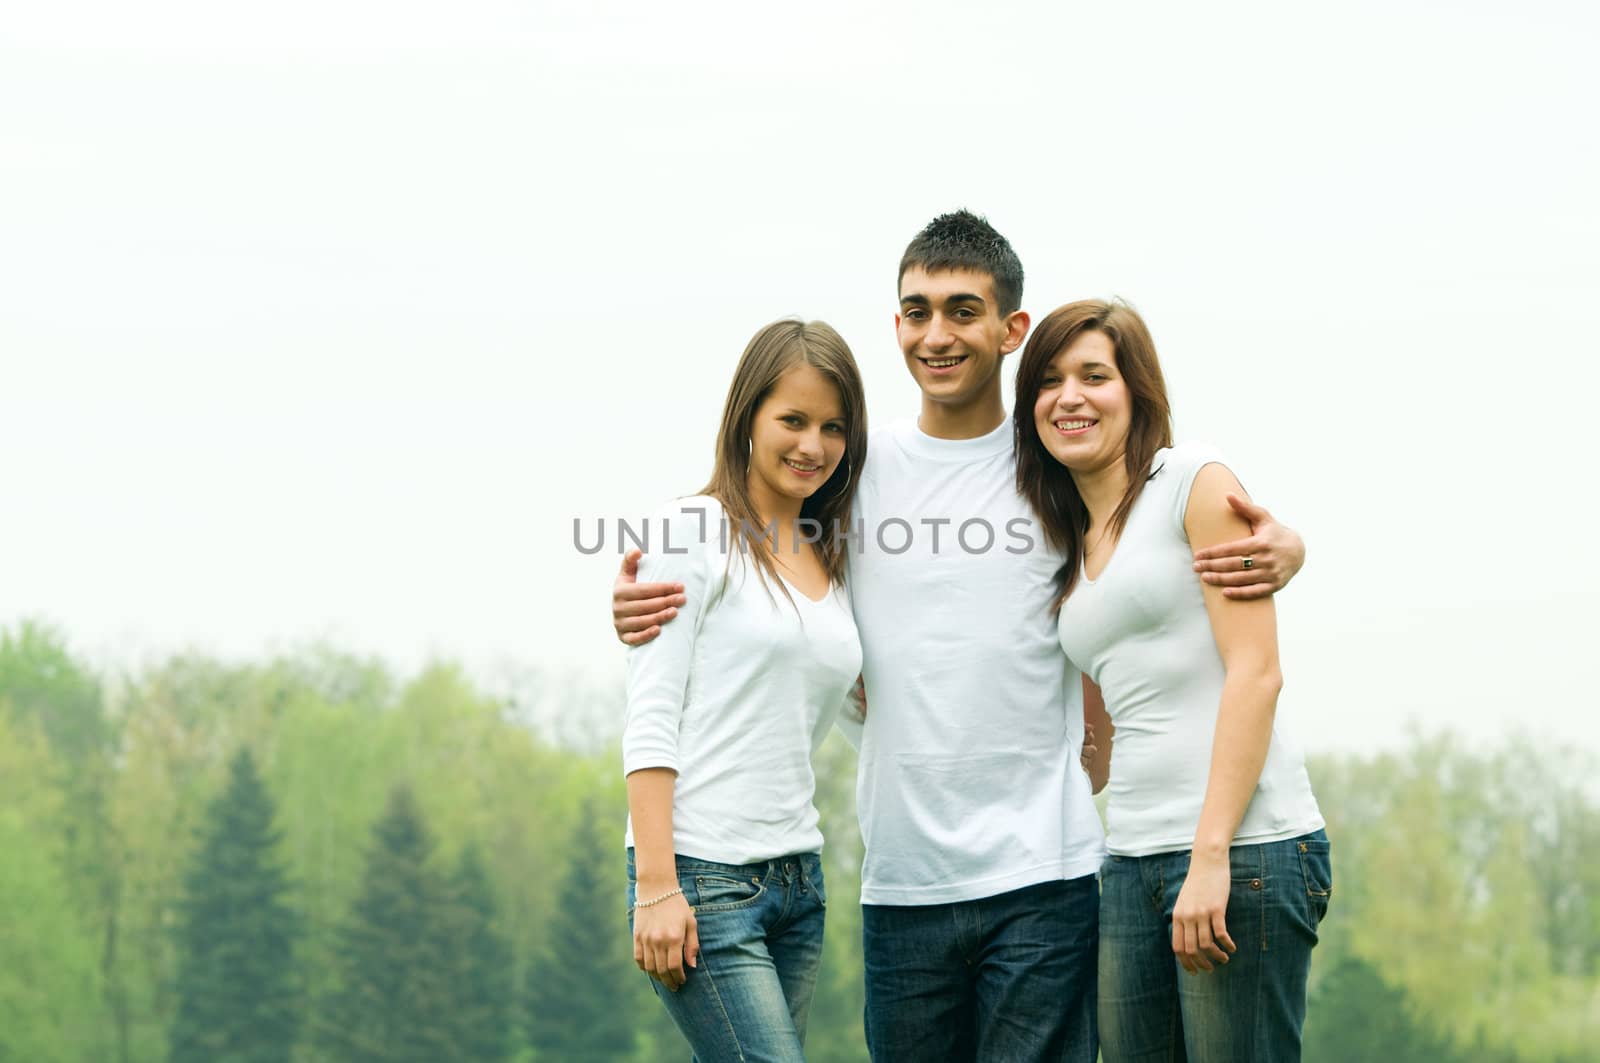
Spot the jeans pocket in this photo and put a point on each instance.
(1316, 865)
(724, 893)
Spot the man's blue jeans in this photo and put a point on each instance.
(1008, 979)
(760, 928)
(1250, 1008)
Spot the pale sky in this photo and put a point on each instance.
(324, 320)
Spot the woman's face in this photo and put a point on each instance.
(796, 437)
(1083, 410)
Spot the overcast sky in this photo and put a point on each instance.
(326, 319)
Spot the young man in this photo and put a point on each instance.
(980, 903)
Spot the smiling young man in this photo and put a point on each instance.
(979, 898)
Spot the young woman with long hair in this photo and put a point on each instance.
(1219, 867)
(726, 707)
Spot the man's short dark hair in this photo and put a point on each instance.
(964, 240)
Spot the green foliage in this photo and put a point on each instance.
(1355, 1014)
(50, 977)
(481, 990)
(237, 997)
(178, 725)
(834, 1033)
(45, 690)
(40, 681)
(1458, 877)
(332, 766)
(392, 1005)
(1465, 922)
(586, 967)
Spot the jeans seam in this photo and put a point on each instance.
(722, 1008)
(1259, 1025)
(1264, 901)
(1176, 1048)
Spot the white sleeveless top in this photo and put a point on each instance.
(1141, 632)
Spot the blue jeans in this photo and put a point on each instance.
(1007, 978)
(760, 928)
(1251, 1007)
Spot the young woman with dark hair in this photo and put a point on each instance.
(1218, 866)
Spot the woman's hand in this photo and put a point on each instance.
(664, 936)
(1199, 919)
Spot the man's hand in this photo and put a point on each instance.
(1257, 566)
(639, 609)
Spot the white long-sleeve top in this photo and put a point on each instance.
(735, 694)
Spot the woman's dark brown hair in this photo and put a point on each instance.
(1045, 482)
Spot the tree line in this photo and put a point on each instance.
(309, 860)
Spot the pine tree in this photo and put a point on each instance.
(482, 1005)
(237, 998)
(586, 969)
(394, 1003)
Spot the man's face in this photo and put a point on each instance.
(953, 335)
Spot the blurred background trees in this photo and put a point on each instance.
(404, 869)
(237, 997)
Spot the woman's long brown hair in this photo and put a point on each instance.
(1045, 482)
(772, 352)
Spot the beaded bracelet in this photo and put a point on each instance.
(656, 900)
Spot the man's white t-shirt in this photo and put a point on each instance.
(969, 779)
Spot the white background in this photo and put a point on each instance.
(324, 320)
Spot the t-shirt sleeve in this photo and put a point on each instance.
(685, 551)
(1183, 463)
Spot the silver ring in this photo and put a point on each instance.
(1248, 561)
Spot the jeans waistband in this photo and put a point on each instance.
(806, 865)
